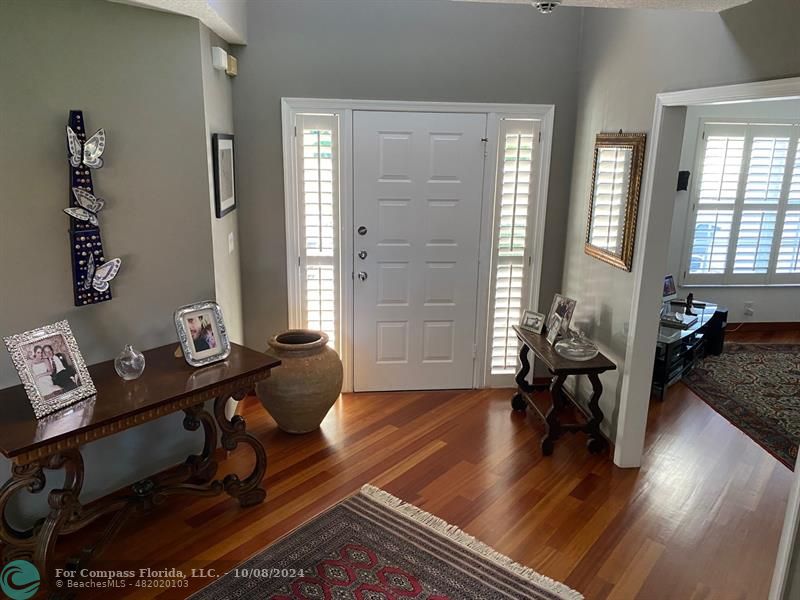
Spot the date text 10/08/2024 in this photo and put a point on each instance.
(148, 573)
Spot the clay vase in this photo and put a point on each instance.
(300, 392)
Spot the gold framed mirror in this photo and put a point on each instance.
(614, 198)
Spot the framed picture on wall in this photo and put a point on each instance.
(50, 367)
(224, 176)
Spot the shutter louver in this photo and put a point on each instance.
(317, 149)
(766, 168)
(794, 184)
(721, 166)
(789, 250)
(712, 233)
(754, 242)
(511, 239)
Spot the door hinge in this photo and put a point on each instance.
(540, 137)
(704, 135)
(474, 351)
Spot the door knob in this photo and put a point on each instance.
(362, 254)
(362, 230)
(362, 275)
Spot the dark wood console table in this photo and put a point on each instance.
(560, 368)
(168, 385)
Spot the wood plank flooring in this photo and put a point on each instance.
(700, 520)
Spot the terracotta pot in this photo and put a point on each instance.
(300, 392)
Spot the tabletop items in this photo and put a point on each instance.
(576, 346)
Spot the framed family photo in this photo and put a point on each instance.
(563, 308)
(532, 321)
(202, 334)
(224, 177)
(554, 329)
(50, 367)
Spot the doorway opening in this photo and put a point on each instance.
(651, 261)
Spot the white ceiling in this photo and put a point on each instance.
(698, 5)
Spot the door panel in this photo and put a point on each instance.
(418, 181)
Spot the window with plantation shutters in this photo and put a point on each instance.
(317, 160)
(511, 260)
(745, 205)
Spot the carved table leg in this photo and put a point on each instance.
(524, 369)
(203, 465)
(553, 426)
(596, 443)
(19, 544)
(518, 402)
(248, 491)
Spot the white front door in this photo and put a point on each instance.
(417, 187)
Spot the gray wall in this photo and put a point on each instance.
(627, 57)
(218, 103)
(397, 50)
(136, 73)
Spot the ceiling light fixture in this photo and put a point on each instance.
(546, 7)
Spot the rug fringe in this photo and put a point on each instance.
(462, 537)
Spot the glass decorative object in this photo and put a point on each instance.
(130, 363)
(576, 346)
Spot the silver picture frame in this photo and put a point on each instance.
(211, 333)
(69, 374)
(562, 307)
(532, 321)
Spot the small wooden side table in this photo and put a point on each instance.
(168, 385)
(560, 368)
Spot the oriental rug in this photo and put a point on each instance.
(373, 546)
(757, 388)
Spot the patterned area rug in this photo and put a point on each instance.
(757, 388)
(373, 546)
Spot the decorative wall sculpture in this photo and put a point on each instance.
(91, 272)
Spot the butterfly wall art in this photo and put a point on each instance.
(92, 272)
(89, 152)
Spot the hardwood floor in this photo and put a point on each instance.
(700, 520)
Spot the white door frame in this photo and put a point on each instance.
(544, 113)
(650, 260)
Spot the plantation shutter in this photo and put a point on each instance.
(719, 177)
(317, 159)
(769, 147)
(744, 228)
(511, 244)
(788, 259)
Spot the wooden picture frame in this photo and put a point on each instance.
(223, 158)
(618, 163)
